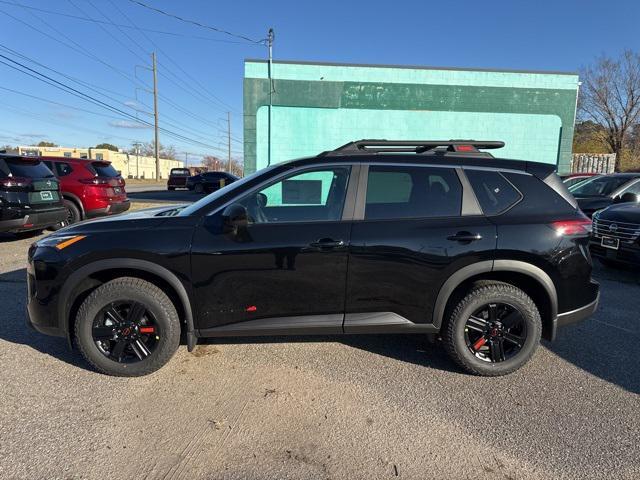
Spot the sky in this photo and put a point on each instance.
(200, 70)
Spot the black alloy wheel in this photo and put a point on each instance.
(495, 332)
(125, 331)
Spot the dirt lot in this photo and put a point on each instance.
(326, 407)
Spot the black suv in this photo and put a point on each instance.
(29, 195)
(209, 181)
(425, 237)
(616, 233)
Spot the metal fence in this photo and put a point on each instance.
(593, 163)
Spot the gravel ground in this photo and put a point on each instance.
(323, 407)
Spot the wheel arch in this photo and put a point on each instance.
(530, 278)
(84, 280)
(75, 199)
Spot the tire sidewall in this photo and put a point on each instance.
(533, 325)
(165, 317)
(73, 210)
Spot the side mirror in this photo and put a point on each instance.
(628, 197)
(233, 217)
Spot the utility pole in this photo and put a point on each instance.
(155, 114)
(229, 141)
(186, 159)
(137, 145)
(270, 45)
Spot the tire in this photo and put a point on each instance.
(171, 188)
(456, 333)
(158, 306)
(73, 212)
(198, 188)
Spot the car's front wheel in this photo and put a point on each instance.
(494, 330)
(127, 327)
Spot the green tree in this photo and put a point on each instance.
(46, 144)
(108, 146)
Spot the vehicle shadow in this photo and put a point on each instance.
(13, 326)
(413, 349)
(607, 345)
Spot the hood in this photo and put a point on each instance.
(591, 204)
(623, 212)
(140, 219)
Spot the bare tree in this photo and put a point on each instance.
(610, 96)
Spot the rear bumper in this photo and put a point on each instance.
(27, 219)
(579, 314)
(111, 209)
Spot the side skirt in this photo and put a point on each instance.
(333, 324)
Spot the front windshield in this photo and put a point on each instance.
(204, 201)
(601, 186)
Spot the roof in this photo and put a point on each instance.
(410, 67)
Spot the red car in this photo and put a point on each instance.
(90, 188)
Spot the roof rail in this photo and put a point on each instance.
(413, 146)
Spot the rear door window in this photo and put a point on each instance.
(400, 191)
(494, 193)
(63, 169)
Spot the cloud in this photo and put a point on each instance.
(33, 135)
(127, 124)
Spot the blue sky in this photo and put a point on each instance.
(201, 70)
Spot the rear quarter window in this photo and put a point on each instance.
(494, 193)
(103, 169)
(538, 197)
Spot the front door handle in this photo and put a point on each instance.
(327, 243)
(465, 237)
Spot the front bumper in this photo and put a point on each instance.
(33, 219)
(43, 267)
(111, 209)
(626, 253)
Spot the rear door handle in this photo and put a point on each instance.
(327, 243)
(466, 237)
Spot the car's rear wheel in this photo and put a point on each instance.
(127, 327)
(73, 212)
(494, 330)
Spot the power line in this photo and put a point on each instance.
(165, 55)
(201, 25)
(150, 30)
(79, 48)
(89, 98)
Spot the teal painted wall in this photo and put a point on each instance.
(319, 107)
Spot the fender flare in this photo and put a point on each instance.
(76, 199)
(516, 266)
(64, 305)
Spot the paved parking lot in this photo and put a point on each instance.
(326, 407)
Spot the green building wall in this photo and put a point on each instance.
(319, 107)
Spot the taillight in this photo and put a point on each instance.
(94, 181)
(15, 181)
(581, 226)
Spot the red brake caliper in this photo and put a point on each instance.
(479, 343)
(146, 330)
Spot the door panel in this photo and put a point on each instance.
(288, 257)
(270, 271)
(399, 265)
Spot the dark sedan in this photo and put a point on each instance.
(209, 181)
(599, 192)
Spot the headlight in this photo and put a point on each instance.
(59, 242)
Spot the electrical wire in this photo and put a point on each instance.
(201, 25)
(150, 30)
